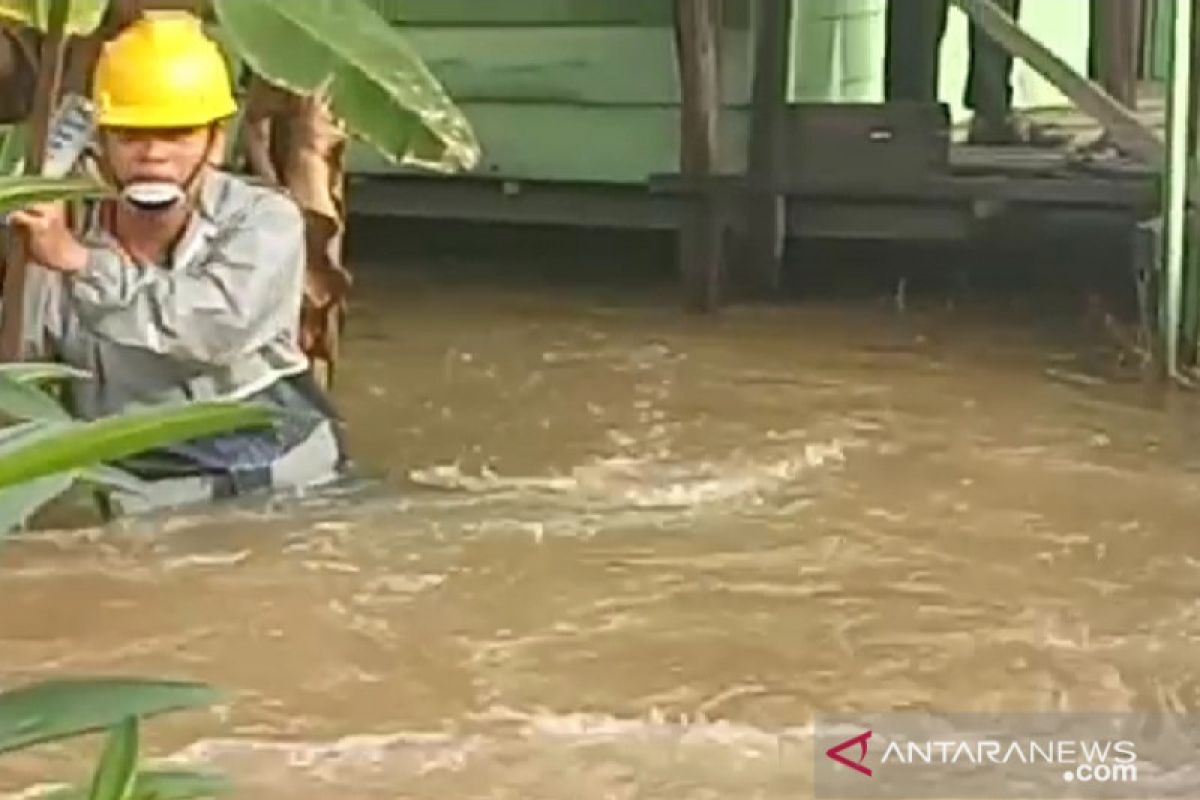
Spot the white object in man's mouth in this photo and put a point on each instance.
(153, 195)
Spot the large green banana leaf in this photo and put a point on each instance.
(60, 708)
(83, 16)
(52, 446)
(19, 502)
(115, 774)
(376, 83)
(157, 784)
(12, 149)
(21, 401)
(43, 457)
(37, 372)
(21, 190)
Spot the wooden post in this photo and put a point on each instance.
(697, 39)
(1176, 184)
(1115, 31)
(1194, 123)
(765, 220)
(1191, 282)
(50, 71)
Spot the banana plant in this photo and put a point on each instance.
(50, 711)
(17, 191)
(44, 451)
(82, 16)
(346, 71)
(376, 83)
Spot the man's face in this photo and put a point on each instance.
(156, 154)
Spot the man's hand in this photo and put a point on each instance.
(51, 242)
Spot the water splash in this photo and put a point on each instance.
(649, 482)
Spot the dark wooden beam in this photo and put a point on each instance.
(765, 220)
(1194, 128)
(1191, 314)
(1114, 33)
(697, 39)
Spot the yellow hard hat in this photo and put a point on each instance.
(162, 72)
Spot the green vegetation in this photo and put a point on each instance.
(379, 89)
(51, 711)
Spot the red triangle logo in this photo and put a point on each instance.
(835, 753)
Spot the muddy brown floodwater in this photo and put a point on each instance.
(612, 551)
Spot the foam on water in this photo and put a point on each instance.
(645, 482)
(505, 749)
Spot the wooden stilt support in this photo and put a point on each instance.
(1115, 29)
(697, 39)
(765, 221)
(1190, 355)
(1176, 186)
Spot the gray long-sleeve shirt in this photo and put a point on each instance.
(219, 321)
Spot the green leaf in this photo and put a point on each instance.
(179, 785)
(12, 150)
(106, 477)
(26, 430)
(377, 83)
(20, 501)
(61, 708)
(23, 190)
(53, 448)
(113, 779)
(83, 17)
(23, 401)
(37, 372)
(158, 785)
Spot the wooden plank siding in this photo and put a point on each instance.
(543, 13)
(588, 90)
(568, 90)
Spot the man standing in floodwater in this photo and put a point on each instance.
(912, 54)
(188, 285)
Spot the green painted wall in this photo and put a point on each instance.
(839, 51)
(542, 13)
(837, 48)
(1157, 48)
(587, 90)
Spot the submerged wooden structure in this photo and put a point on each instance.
(890, 170)
(718, 142)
